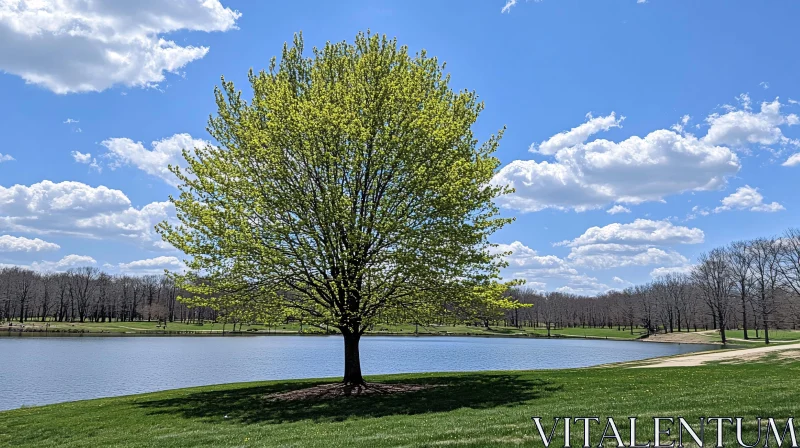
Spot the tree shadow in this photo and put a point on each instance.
(248, 405)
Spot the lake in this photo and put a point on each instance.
(43, 370)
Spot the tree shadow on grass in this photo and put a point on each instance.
(248, 405)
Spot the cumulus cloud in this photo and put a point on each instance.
(747, 198)
(539, 271)
(86, 159)
(155, 161)
(640, 231)
(582, 175)
(607, 256)
(74, 208)
(5, 158)
(618, 209)
(10, 243)
(79, 46)
(635, 170)
(155, 265)
(640, 243)
(81, 157)
(578, 134)
(743, 127)
(68, 262)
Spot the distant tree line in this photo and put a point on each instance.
(750, 285)
(88, 295)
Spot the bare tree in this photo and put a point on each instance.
(766, 278)
(790, 263)
(81, 287)
(712, 277)
(740, 264)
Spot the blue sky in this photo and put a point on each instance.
(98, 98)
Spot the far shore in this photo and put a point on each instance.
(152, 329)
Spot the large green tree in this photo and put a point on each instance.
(349, 189)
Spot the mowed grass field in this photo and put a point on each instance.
(491, 409)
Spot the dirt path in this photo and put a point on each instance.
(750, 354)
(699, 337)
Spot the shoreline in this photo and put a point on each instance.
(155, 333)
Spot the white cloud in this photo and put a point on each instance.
(618, 209)
(741, 128)
(640, 231)
(163, 245)
(74, 208)
(70, 121)
(70, 261)
(585, 285)
(620, 281)
(681, 125)
(542, 270)
(635, 170)
(78, 46)
(793, 160)
(587, 175)
(155, 265)
(509, 4)
(124, 151)
(578, 134)
(747, 198)
(764, 85)
(5, 158)
(607, 256)
(639, 243)
(663, 271)
(10, 243)
(81, 157)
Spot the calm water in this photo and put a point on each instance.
(38, 370)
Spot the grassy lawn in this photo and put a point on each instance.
(216, 328)
(775, 336)
(778, 335)
(490, 409)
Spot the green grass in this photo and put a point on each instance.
(778, 335)
(736, 337)
(408, 329)
(491, 409)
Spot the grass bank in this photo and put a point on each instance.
(491, 409)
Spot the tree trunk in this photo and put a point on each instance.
(744, 316)
(352, 361)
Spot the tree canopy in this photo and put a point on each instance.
(349, 188)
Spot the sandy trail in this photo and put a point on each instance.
(699, 337)
(750, 354)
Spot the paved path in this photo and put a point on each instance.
(749, 354)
